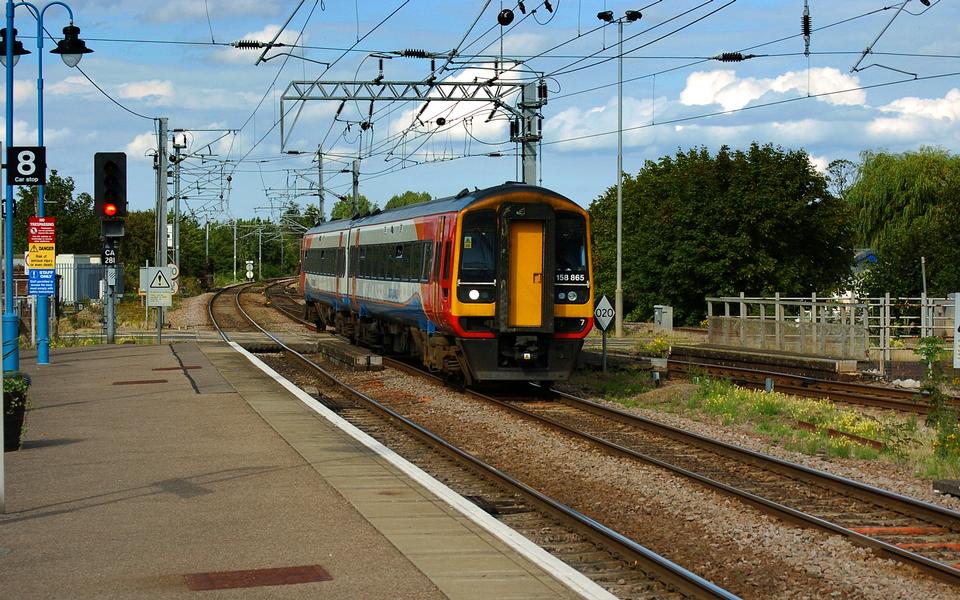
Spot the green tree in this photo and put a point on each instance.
(78, 229)
(406, 198)
(841, 175)
(905, 209)
(758, 221)
(343, 209)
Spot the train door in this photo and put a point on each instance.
(526, 274)
(336, 269)
(525, 285)
(437, 294)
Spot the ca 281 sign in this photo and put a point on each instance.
(26, 165)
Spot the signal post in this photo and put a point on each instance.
(110, 206)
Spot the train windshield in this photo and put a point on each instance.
(478, 251)
(571, 254)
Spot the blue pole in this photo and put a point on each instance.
(11, 335)
(43, 302)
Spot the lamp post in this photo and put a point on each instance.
(71, 46)
(71, 49)
(630, 16)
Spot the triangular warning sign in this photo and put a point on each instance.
(159, 282)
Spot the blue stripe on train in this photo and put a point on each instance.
(412, 312)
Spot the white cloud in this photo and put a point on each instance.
(75, 85)
(522, 44)
(25, 134)
(723, 87)
(138, 148)
(934, 119)
(23, 90)
(153, 89)
(465, 125)
(820, 163)
(576, 121)
(946, 108)
(248, 57)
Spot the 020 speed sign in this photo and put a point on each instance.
(27, 165)
(604, 313)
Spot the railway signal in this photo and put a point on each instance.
(110, 185)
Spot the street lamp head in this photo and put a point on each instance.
(18, 49)
(606, 15)
(71, 48)
(633, 15)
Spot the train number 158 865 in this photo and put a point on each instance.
(571, 277)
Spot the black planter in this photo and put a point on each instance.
(13, 421)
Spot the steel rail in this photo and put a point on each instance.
(860, 491)
(665, 570)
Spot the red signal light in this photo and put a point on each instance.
(109, 209)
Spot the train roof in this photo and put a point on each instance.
(436, 206)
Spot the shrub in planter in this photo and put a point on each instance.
(15, 387)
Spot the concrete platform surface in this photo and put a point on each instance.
(145, 468)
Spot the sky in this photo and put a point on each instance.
(174, 60)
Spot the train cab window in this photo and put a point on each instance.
(571, 283)
(478, 249)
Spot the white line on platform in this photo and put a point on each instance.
(555, 567)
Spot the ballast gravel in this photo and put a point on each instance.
(719, 538)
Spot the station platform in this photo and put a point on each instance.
(164, 471)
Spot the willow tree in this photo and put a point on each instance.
(905, 208)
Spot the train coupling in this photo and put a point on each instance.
(526, 349)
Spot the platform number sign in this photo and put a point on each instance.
(26, 165)
(604, 313)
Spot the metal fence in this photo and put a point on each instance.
(857, 328)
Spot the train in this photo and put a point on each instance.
(488, 285)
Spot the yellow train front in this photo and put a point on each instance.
(493, 284)
(523, 297)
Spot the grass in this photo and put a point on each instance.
(773, 416)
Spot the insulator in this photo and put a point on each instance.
(542, 90)
(339, 110)
(548, 6)
(514, 128)
(731, 57)
(414, 53)
(248, 44)
(805, 24)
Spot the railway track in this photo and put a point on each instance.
(620, 565)
(847, 392)
(895, 526)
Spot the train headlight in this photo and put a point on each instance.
(474, 294)
(572, 296)
(562, 296)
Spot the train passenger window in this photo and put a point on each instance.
(478, 247)
(398, 252)
(427, 248)
(341, 262)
